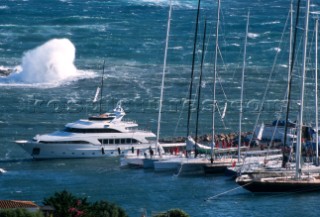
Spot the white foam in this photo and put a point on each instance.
(3, 7)
(235, 44)
(177, 48)
(271, 23)
(277, 49)
(253, 35)
(164, 3)
(50, 64)
(283, 65)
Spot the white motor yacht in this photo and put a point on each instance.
(97, 136)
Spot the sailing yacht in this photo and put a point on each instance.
(301, 179)
(172, 162)
(98, 136)
(220, 165)
(157, 152)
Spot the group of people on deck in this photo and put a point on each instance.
(229, 140)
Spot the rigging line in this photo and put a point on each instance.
(206, 46)
(242, 84)
(302, 88)
(310, 50)
(225, 68)
(220, 82)
(221, 27)
(316, 91)
(276, 126)
(286, 92)
(268, 83)
(225, 41)
(310, 63)
(222, 89)
(225, 192)
(181, 112)
(218, 74)
(237, 65)
(224, 125)
(309, 57)
(207, 43)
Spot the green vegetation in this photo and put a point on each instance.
(19, 213)
(67, 205)
(173, 213)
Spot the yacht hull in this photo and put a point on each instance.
(167, 165)
(63, 150)
(275, 186)
(215, 168)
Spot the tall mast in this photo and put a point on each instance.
(242, 84)
(199, 87)
(164, 72)
(101, 88)
(192, 69)
(290, 67)
(291, 64)
(290, 42)
(300, 121)
(316, 93)
(214, 81)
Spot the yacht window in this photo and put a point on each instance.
(123, 141)
(117, 141)
(134, 141)
(128, 141)
(98, 130)
(106, 141)
(97, 118)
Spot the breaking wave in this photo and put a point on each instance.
(50, 63)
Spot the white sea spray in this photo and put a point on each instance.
(50, 64)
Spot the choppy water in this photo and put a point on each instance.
(56, 80)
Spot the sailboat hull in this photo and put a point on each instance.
(289, 185)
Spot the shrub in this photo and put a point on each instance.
(173, 213)
(67, 205)
(19, 213)
(103, 208)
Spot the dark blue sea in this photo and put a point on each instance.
(57, 50)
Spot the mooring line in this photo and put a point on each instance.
(210, 198)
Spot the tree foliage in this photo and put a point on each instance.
(67, 205)
(19, 213)
(106, 209)
(173, 213)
